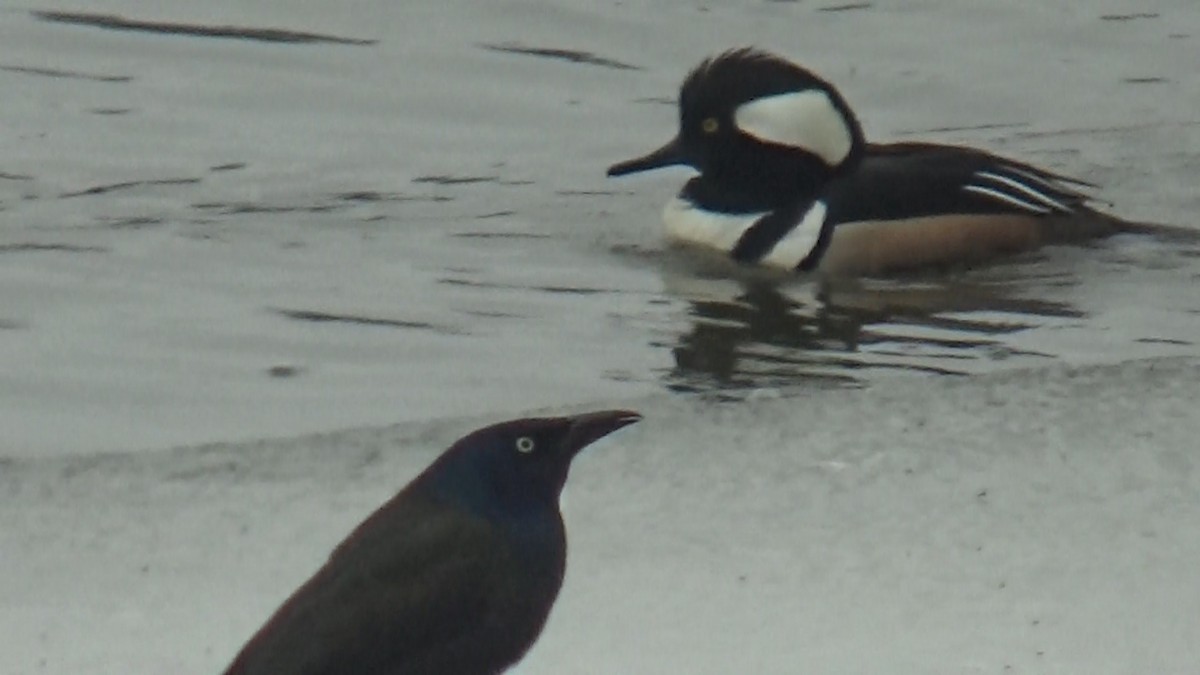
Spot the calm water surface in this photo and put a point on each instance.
(222, 230)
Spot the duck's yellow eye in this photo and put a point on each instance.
(709, 125)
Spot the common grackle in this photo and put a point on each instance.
(455, 575)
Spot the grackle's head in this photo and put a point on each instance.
(519, 467)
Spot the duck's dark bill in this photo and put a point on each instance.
(668, 155)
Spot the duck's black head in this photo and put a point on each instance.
(753, 121)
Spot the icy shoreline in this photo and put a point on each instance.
(1034, 521)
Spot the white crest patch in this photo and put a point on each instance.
(691, 225)
(804, 119)
(797, 244)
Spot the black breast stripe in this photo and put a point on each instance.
(757, 241)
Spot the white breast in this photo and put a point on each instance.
(688, 224)
(708, 229)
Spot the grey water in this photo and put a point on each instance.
(263, 222)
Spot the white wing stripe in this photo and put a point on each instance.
(1025, 189)
(1007, 198)
(1059, 185)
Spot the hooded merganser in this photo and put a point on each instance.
(788, 181)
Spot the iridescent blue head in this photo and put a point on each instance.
(518, 468)
(756, 124)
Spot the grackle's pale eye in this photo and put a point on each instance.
(525, 445)
(710, 125)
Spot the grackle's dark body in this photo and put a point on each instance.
(456, 574)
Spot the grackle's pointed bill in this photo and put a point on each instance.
(668, 155)
(591, 427)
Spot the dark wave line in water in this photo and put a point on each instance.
(343, 201)
(115, 22)
(35, 247)
(492, 214)
(558, 290)
(372, 196)
(131, 222)
(127, 185)
(500, 235)
(314, 316)
(846, 7)
(65, 74)
(590, 193)
(242, 208)
(283, 370)
(443, 179)
(1116, 128)
(455, 180)
(1165, 341)
(571, 55)
(1129, 17)
(657, 100)
(990, 126)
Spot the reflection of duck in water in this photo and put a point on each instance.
(752, 333)
(788, 181)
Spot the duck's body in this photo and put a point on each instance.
(788, 181)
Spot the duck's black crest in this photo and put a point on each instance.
(721, 83)
(747, 73)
